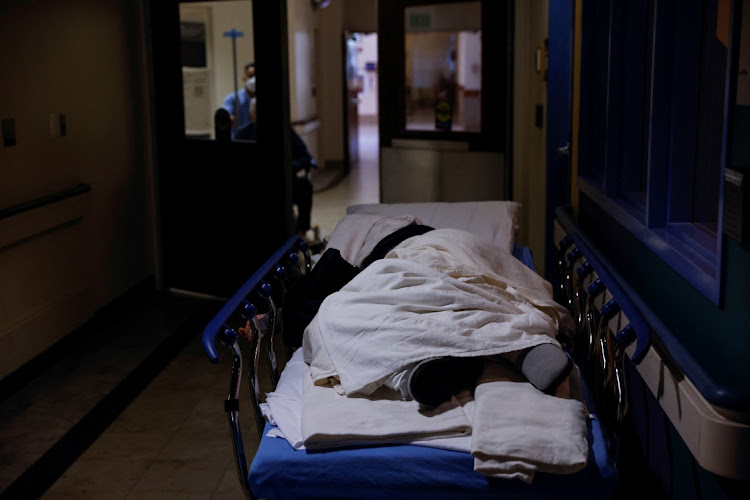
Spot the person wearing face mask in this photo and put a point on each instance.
(302, 163)
(238, 104)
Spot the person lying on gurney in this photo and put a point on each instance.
(431, 381)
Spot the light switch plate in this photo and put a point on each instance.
(9, 132)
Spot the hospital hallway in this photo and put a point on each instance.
(129, 407)
(360, 186)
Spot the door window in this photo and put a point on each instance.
(217, 53)
(443, 67)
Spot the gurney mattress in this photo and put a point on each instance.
(279, 472)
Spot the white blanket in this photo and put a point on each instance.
(444, 293)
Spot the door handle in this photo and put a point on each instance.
(563, 151)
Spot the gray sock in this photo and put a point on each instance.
(545, 366)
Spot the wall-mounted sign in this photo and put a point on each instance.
(443, 115)
(457, 16)
(419, 20)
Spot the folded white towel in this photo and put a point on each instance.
(518, 430)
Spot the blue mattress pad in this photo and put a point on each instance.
(280, 472)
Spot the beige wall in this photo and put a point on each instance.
(302, 27)
(330, 82)
(78, 58)
(226, 15)
(361, 16)
(529, 142)
(303, 107)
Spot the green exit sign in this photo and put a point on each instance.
(419, 21)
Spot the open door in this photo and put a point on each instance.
(352, 88)
(224, 205)
(444, 97)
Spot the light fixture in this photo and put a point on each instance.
(320, 4)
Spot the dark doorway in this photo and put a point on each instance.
(224, 206)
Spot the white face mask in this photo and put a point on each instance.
(250, 84)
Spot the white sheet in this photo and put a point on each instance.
(283, 408)
(332, 420)
(396, 312)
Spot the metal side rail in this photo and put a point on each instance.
(241, 309)
(712, 420)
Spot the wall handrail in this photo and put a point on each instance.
(44, 200)
(730, 398)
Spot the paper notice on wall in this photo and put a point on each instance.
(197, 101)
(723, 15)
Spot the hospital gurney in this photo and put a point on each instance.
(382, 471)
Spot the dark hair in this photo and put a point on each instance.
(249, 65)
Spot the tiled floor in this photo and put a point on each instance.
(71, 399)
(362, 185)
(173, 440)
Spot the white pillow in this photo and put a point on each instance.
(356, 235)
(494, 220)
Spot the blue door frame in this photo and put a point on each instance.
(559, 107)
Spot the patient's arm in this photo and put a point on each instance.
(246, 331)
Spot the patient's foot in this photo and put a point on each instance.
(545, 366)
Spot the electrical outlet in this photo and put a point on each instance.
(539, 116)
(9, 132)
